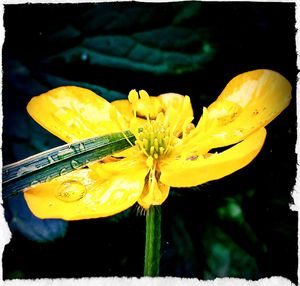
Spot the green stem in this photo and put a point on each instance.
(152, 245)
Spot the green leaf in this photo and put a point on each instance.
(159, 51)
(224, 257)
(61, 160)
(231, 211)
(126, 37)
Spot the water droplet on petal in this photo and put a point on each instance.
(224, 111)
(70, 191)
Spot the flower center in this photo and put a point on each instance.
(154, 139)
(153, 136)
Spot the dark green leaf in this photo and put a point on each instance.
(155, 51)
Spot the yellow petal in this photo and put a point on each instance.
(154, 193)
(249, 101)
(74, 113)
(151, 106)
(148, 106)
(125, 108)
(194, 171)
(178, 111)
(106, 190)
(176, 108)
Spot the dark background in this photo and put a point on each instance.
(239, 226)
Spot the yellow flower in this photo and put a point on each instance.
(169, 150)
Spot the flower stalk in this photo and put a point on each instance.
(153, 241)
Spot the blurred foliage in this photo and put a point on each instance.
(240, 226)
(139, 38)
(20, 218)
(225, 257)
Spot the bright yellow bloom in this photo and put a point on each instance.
(169, 150)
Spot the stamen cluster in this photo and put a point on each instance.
(154, 139)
